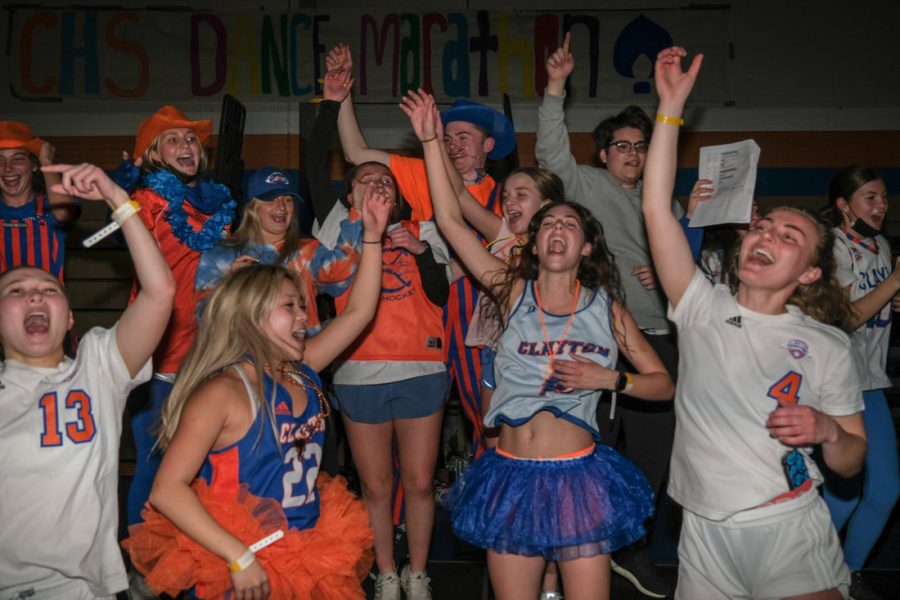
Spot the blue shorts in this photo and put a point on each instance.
(382, 402)
(487, 368)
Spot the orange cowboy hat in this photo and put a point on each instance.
(18, 135)
(168, 117)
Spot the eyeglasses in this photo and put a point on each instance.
(625, 147)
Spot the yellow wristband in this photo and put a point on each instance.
(629, 382)
(125, 211)
(677, 121)
(242, 562)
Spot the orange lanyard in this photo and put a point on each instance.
(537, 296)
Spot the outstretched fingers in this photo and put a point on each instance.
(419, 106)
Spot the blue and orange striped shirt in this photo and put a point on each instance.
(31, 236)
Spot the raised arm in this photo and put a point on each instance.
(322, 195)
(141, 326)
(552, 148)
(670, 250)
(65, 208)
(422, 112)
(364, 296)
(356, 150)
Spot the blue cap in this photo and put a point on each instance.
(491, 120)
(268, 183)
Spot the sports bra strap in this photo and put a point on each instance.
(251, 393)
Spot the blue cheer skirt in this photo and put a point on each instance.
(560, 509)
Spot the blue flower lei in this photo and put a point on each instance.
(206, 196)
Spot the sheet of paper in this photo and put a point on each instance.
(732, 170)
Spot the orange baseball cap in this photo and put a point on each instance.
(18, 135)
(168, 117)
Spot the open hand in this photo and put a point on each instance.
(337, 85)
(339, 59)
(582, 373)
(419, 106)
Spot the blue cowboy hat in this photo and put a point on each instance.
(491, 120)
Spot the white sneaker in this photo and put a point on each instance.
(551, 596)
(387, 586)
(415, 585)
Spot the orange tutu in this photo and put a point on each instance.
(326, 562)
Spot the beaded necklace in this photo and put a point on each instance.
(298, 378)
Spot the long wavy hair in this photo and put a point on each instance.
(824, 299)
(596, 270)
(249, 232)
(230, 331)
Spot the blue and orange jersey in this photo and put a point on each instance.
(31, 236)
(272, 468)
(406, 326)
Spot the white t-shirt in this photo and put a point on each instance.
(865, 264)
(59, 459)
(734, 363)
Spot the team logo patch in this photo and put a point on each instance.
(277, 178)
(282, 409)
(797, 348)
(736, 321)
(857, 255)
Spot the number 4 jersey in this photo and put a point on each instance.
(737, 366)
(59, 460)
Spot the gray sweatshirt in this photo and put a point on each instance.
(618, 209)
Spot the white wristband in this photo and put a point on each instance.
(242, 562)
(125, 211)
(122, 213)
(247, 558)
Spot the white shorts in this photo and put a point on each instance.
(775, 551)
(69, 589)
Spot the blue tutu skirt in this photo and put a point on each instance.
(560, 509)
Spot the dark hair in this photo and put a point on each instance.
(596, 270)
(632, 116)
(402, 209)
(720, 243)
(548, 183)
(845, 183)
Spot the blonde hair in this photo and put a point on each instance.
(249, 231)
(152, 165)
(230, 332)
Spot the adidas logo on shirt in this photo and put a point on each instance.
(736, 321)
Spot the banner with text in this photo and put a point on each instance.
(79, 55)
